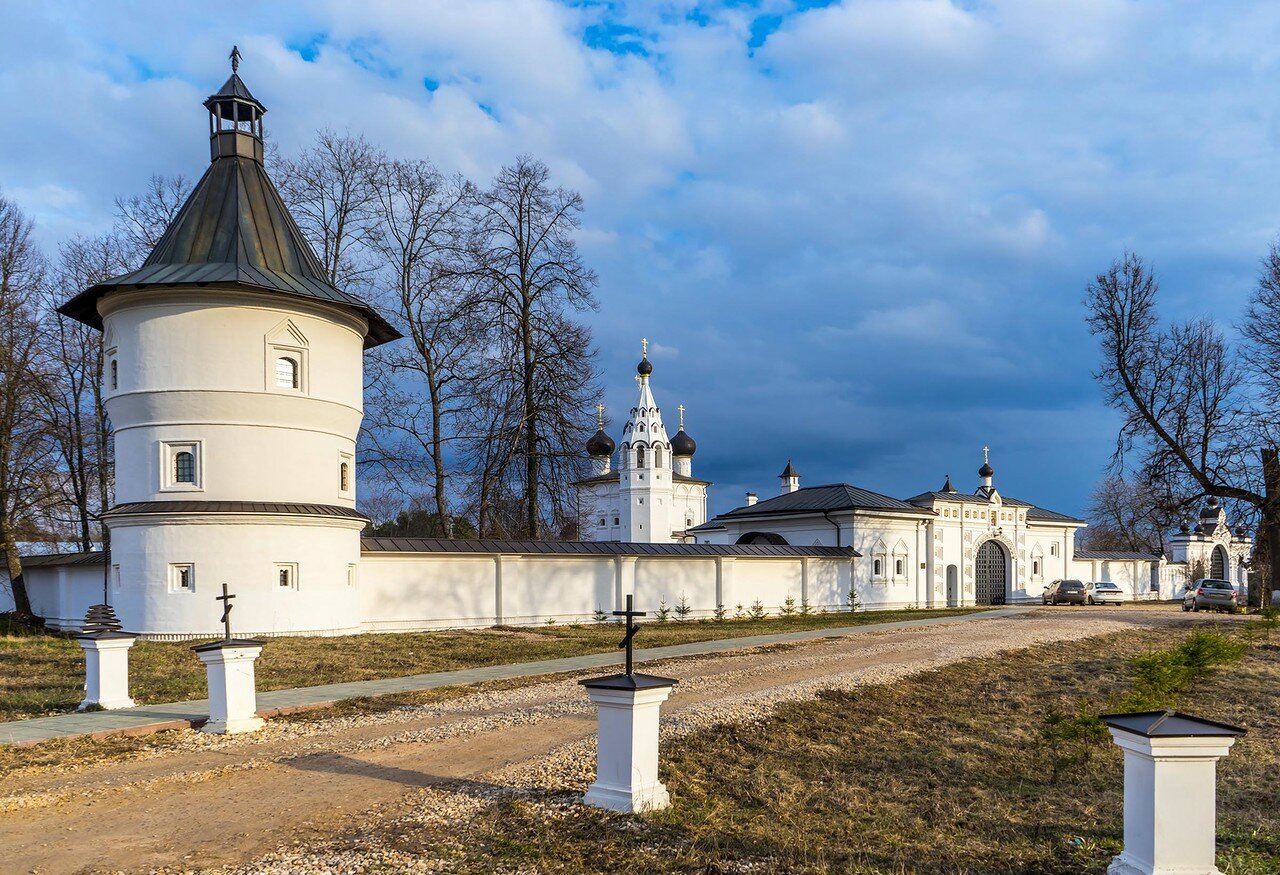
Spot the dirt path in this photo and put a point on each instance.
(216, 801)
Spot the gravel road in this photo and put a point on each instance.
(273, 801)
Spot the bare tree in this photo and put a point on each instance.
(531, 279)
(1130, 513)
(25, 450)
(419, 386)
(74, 396)
(1190, 413)
(329, 190)
(142, 219)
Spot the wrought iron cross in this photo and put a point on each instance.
(681, 409)
(632, 629)
(226, 598)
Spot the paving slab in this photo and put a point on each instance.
(172, 715)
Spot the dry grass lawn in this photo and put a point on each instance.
(43, 674)
(943, 772)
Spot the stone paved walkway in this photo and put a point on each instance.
(177, 715)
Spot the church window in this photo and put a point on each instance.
(344, 477)
(184, 467)
(1035, 568)
(351, 574)
(115, 374)
(615, 521)
(1053, 549)
(602, 521)
(639, 457)
(286, 372)
(897, 568)
(875, 568)
(657, 457)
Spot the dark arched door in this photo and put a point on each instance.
(990, 571)
(1218, 564)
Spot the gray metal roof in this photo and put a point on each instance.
(1116, 554)
(1170, 724)
(47, 560)
(1050, 516)
(234, 229)
(593, 548)
(816, 499)
(138, 508)
(963, 497)
(612, 477)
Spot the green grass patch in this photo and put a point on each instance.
(43, 673)
(942, 772)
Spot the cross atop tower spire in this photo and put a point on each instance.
(681, 409)
(600, 416)
(644, 347)
(986, 455)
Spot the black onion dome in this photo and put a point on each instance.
(600, 444)
(683, 445)
(644, 369)
(986, 470)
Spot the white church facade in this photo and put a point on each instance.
(234, 373)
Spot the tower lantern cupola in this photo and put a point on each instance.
(986, 472)
(235, 118)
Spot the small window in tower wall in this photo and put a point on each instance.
(657, 457)
(286, 574)
(601, 521)
(897, 567)
(184, 467)
(640, 457)
(182, 577)
(287, 372)
(1053, 549)
(615, 521)
(344, 477)
(115, 375)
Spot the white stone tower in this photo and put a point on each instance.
(233, 380)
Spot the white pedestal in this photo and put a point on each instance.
(1170, 802)
(233, 694)
(627, 758)
(106, 669)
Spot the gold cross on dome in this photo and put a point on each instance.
(600, 415)
(644, 346)
(681, 409)
(985, 451)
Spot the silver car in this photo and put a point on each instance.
(1104, 592)
(1208, 594)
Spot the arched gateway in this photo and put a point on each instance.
(990, 571)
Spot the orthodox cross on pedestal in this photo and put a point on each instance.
(632, 629)
(600, 416)
(225, 598)
(235, 59)
(681, 409)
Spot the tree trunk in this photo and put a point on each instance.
(21, 601)
(531, 430)
(1271, 522)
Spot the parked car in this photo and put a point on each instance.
(1104, 592)
(1065, 592)
(1208, 594)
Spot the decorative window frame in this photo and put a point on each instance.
(175, 576)
(880, 562)
(289, 567)
(1037, 564)
(285, 340)
(900, 556)
(170, 449)
(351, 574)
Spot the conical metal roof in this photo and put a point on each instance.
(235, 230)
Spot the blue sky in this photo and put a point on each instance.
(857, 234)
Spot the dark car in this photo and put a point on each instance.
(1208, 594)
(1065, 592)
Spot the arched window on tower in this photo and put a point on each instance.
(639, 457)
(657, 457)
(115, 374)
(184, 467)
(287, 372)
(344, 477)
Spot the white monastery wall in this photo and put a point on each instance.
(670, 580)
